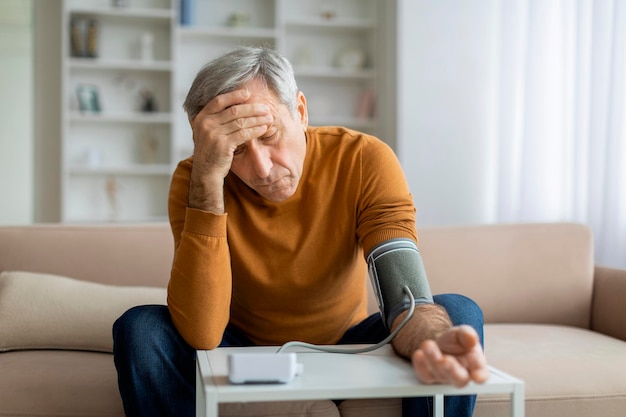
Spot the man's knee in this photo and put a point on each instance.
(139, 325)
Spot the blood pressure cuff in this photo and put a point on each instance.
(392, 265)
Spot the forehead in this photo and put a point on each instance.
(261, 93)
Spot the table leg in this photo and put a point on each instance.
(206, 402)
(211, 407)
(200, 397)
(517, 401)
(438, 405)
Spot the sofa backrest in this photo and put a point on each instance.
(538, 273)
(110, 254)
(523, 273)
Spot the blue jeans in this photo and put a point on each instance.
(156, 367)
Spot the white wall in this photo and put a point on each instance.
(446, 78)
(47, 110)
(16, 121)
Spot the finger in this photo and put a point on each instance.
(235, 116)
(448, 370)
(435, 361)
(476, 364)
(467, 337)
(452, 372)
(245, 135)
(431, 351)
(474, 360)
(247, 122)
(458, 340)
(480, 375)
(422, 367)
(235, 132)
(445, 368)
(226, 100)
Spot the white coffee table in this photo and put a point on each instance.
(378, 374)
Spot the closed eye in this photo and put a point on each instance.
(271, 134)
(265, 139)
(239, 149)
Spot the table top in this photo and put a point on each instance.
(377, 374)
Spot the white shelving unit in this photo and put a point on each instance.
(117, 162)
(117, 157)
(333, 46)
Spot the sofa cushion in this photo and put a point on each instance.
(58, 383)
(566, 370)
(43, 311)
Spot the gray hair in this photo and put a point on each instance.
(232, 70)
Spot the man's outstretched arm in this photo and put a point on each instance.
(440, 353)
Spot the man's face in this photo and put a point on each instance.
(272, 164)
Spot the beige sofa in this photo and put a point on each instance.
(553, 318)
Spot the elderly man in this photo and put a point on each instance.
(275, 224)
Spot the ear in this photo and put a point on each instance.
(302, 110)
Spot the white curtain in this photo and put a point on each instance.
(560, 148)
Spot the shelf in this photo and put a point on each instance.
(336, 23)
(333, 72)
(123, 12)
(137, 117)
(132, 220)
(228, 32)
(129, 170)
(119, 64)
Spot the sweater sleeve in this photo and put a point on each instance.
(385, 208)
(199, 290)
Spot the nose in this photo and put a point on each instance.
(260, 159)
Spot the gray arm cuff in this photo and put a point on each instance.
(392, 265)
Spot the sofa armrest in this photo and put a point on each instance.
(608, 308)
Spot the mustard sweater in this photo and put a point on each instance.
(293, 270)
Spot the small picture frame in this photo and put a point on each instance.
(88, 98)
